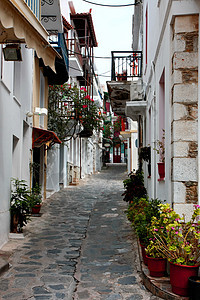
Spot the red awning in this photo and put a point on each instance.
(42, 136)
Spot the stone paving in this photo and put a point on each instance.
(82, 247)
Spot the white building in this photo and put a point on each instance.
(20, 26)
(166, 99)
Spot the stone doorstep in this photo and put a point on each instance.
(159, 287)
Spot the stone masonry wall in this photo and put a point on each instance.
(184, 112)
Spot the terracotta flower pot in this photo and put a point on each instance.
(157, 266)
(36, 209)
(179, 275)
(161, 171)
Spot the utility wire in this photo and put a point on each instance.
(107, 5)
(103, 57)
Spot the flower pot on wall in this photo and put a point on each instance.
(179, 275)
(194, 287)
(161, 171)
(157, 266)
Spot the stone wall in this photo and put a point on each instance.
(184, 112)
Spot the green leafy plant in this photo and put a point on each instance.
(20, 204)
(35, 196)
(140, 213)
(70, 106)
(145, 154)
(160, 148)
(176, 239)
(134, 186)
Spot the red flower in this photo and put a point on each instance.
(83, 89)
(87, 97)
(85, 106)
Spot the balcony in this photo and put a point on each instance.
(126, 65)
(75, 57)
(125, 85)
(61, 64)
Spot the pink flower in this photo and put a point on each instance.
(85, 106)
(177, 219)
(173, 228)
(83, 89)
(196, 206)
(176, 232)
(155, 229)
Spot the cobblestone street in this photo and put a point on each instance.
(82, 247)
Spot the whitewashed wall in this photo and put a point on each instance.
(16, 132)
(160, 51)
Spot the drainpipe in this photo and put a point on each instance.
(154, 126)
(198, 137)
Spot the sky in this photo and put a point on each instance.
(113, 28)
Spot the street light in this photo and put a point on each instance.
(12, 52)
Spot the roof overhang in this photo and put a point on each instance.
(127, 134)
(19, 25)
(134, 109)
(42, 137)
(79, 22)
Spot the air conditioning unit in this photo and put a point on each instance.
(41, 111)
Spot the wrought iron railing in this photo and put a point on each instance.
(126, 65)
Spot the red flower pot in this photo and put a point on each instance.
(161, 171)
(179, 275)
(36, 209)
(157, 266)
(144, 256)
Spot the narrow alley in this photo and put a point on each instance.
(82, 247)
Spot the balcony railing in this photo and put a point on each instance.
(75, 49)
(126, 65)
(35, 6)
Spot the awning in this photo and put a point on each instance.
(19, 25)
(42, 136)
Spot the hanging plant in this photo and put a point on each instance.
(70, 106)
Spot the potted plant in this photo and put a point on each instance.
(160, 149)
(178, 241)
(134, 186)
(145, 155)
(20, 205)
(35, 198)
(156, 261)
(140, 213)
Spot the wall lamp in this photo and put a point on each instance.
(12, 52)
